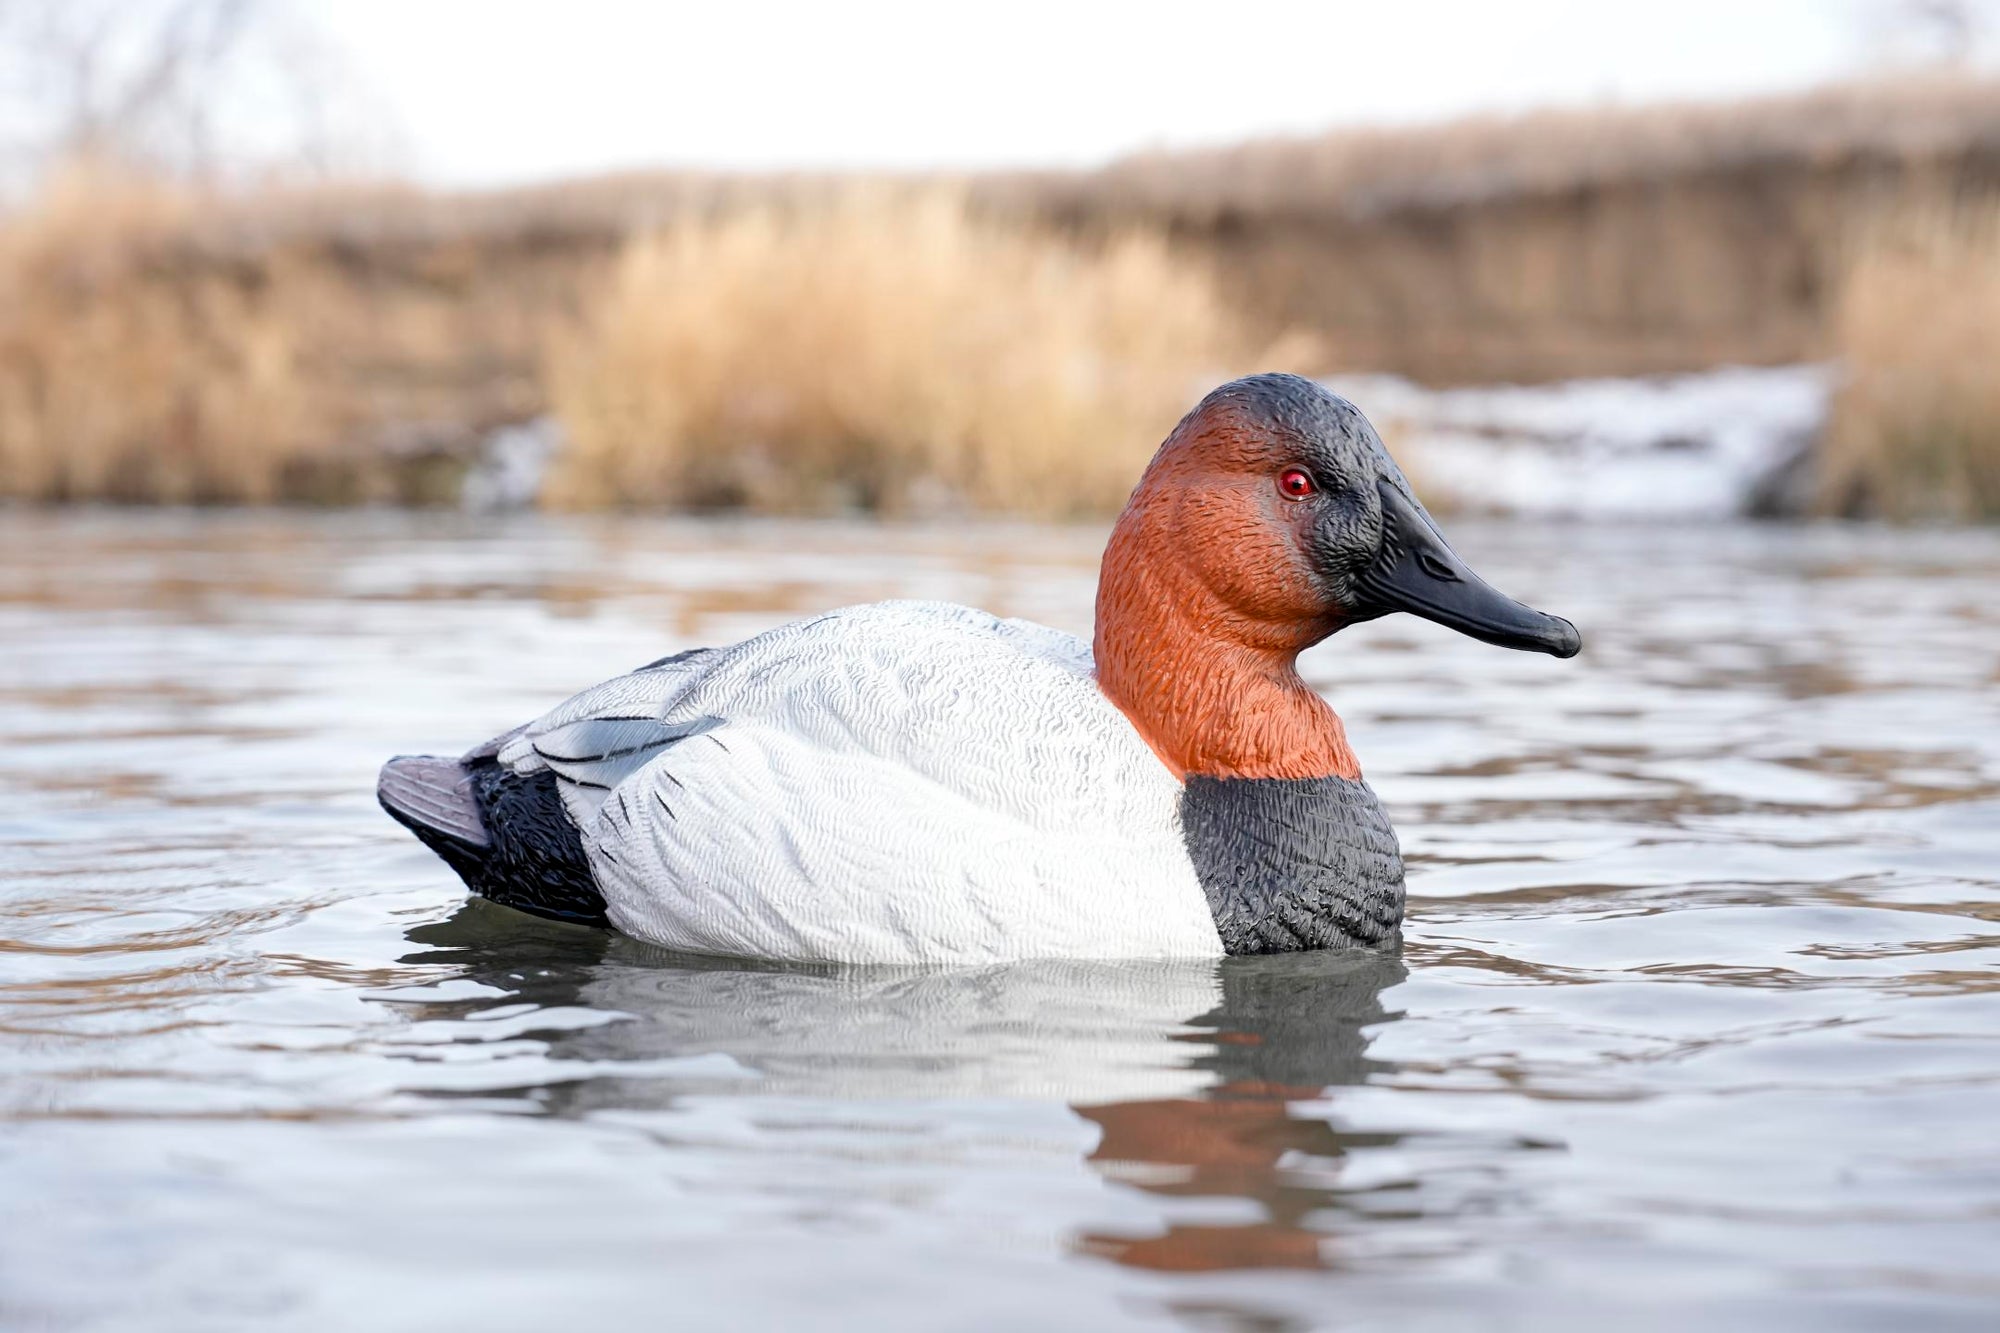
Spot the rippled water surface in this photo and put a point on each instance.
(1696, 1022)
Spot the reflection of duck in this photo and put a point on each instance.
(906, 783)
(1286, 1029)
(1058, 1030)
(1189, 1070)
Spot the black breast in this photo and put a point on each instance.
(536, 862)
(1307, 863)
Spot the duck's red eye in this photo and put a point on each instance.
(1296, 483)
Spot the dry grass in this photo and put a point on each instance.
(805, 343)
(885, 350)
(1916, 426)
(1600, 241)
(820, 348)
(153, 349)
(115, 384)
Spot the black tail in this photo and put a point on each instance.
(506, 834)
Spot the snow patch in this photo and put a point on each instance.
(1706, 445)
(507, 473)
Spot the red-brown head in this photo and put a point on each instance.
(1270, 518)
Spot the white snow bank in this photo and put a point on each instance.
(1675, 446)
(512, 461)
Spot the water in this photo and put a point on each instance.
(1696, 1021)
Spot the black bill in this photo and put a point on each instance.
(1417, 572)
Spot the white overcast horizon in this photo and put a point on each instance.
(480, 93)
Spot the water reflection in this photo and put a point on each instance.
(1192, 1072)
(1287, 1029)
(649, 1023)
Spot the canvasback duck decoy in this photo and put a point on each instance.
(911, 782)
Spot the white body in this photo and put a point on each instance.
(896, 783)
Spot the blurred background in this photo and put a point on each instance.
(1670, 260)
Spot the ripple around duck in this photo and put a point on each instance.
(1695, 1020)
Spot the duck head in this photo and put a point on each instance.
(1269, 519)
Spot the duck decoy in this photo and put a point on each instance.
(913, 782)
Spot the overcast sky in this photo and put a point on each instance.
(496, 91)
